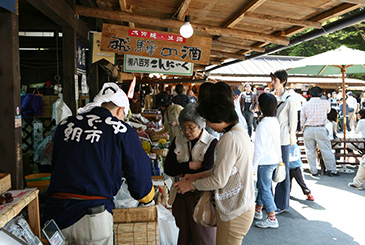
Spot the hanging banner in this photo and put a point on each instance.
(143, 64)
(165, 45)
(97, 54)
(80, 57)
(131, 88)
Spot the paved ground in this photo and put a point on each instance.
(337, 215)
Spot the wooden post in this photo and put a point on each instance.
(11, 160)
(69, 66)
(94, 81)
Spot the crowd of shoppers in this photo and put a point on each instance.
(214, 147)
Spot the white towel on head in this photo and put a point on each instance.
(109, 93)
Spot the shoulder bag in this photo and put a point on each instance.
(279, 172)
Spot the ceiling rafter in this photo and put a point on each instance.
(271, 18)
(236, 46)
(344, 8)
(123, 6)
(227, 55)
(183, 10)
(340, 10)
(167, 23)
(254, 4)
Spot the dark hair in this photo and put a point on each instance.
(315, 91)
(204, 90)
(162, 99)
(109, 105)
(268, 104)
(362, 113)
(281, 75)
(179, 89)
(217, 108)
(222, 88)
(332, 115)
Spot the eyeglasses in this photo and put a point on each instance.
(190, 129)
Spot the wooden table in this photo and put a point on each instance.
(23, 198)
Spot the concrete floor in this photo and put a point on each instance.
(336, 216)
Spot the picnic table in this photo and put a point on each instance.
(357, 144)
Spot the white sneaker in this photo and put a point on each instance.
(267, 223)
(352, 185)
(258, 215)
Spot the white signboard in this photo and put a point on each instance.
(142, 64)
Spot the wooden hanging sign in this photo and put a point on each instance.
(166, 45)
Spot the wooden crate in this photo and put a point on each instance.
(128, 215)
(5, 182)
(136, 233)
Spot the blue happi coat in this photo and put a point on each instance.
(90, 153)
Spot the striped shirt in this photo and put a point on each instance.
(314, 112)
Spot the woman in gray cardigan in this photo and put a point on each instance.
(231, 178)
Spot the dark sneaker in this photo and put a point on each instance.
(330, 174)
(279, 211)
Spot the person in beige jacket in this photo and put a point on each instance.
(288, 117)
(232, 177)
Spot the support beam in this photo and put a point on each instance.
(69, 67)
(290, 21)
(125, 8)
(118, 15)
(58, 11)
(62, 14)
(236, 46)
(94, 80)
(251, 6)
(183, 10)
(227, 55)
(10, 137)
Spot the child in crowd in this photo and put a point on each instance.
(267, 156)
(295, 164)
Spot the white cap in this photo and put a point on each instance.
(109, 93)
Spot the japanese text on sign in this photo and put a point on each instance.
(134, 63)
(165, 45)
(156, 35)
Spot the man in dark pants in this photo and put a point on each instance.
(248, 103)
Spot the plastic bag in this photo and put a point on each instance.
(43, 154)
(20, 228)
(169, 232)
(279, 173)
(123, 199)
(204, 212)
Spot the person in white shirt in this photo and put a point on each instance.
(352, 102)
(267, 156)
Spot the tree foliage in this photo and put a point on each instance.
(351, 37)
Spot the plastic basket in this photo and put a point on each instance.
(41, 181)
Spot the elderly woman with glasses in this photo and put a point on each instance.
(190, 152)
